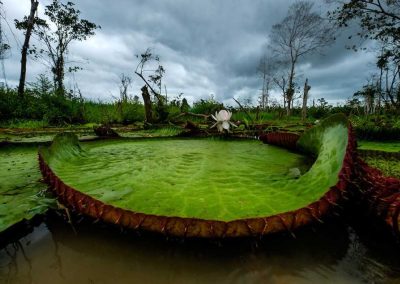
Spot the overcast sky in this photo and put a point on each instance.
(206, 46)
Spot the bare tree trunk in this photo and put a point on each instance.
(25, 47)
(305, 98)
(147, 105)
(290, 90)
(263, 94)
(59, 75)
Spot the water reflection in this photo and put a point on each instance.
(333, 253)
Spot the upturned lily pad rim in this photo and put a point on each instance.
(193, 227)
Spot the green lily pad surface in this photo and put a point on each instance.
(157, 132)
(386, 146)
(41, 135)
(221, 180)
(20, 186)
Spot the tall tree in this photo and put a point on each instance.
(68, 27)
(4, 46)
(368, 94)
(301, 32)
(266, 69)
(27, 25)
(378, 20)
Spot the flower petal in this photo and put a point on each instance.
(224, 115)
(225, 125)
(219, 126)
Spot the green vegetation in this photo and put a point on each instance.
(383, 155)
(390, 166)
(47, 108)
(377, 127)
(386, 146)
(21, 191)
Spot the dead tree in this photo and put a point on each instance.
(281, 83)
(266, 69)
(301, 32)
(306, 89)
(155, 78)
(125, 82)
(148, 111)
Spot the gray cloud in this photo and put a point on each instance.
(206, 47)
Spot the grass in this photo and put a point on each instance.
(386, 146)
(24, 123)
(389, 166)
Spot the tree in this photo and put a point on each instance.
(27, 25)
(184, 105)
(306, 89)
(148, 110)
(156, 75)
(68, 28)
(368, 93)
(322, 103)
(378, 20)
(301, 32)
(266, 69)
(154, 79)
(280, 81)
(4, 46)
(125, 82)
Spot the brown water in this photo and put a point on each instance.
(335, 253)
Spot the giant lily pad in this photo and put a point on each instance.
(20, 186)
(203, 187)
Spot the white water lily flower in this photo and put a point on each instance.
(222, 119)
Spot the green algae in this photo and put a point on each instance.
(21, 191)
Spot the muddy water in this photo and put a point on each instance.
(335, 253)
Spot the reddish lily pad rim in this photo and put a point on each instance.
(192, 227)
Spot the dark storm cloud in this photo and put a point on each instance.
(207, 47)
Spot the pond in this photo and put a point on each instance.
(340, 251)
(95, 253)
